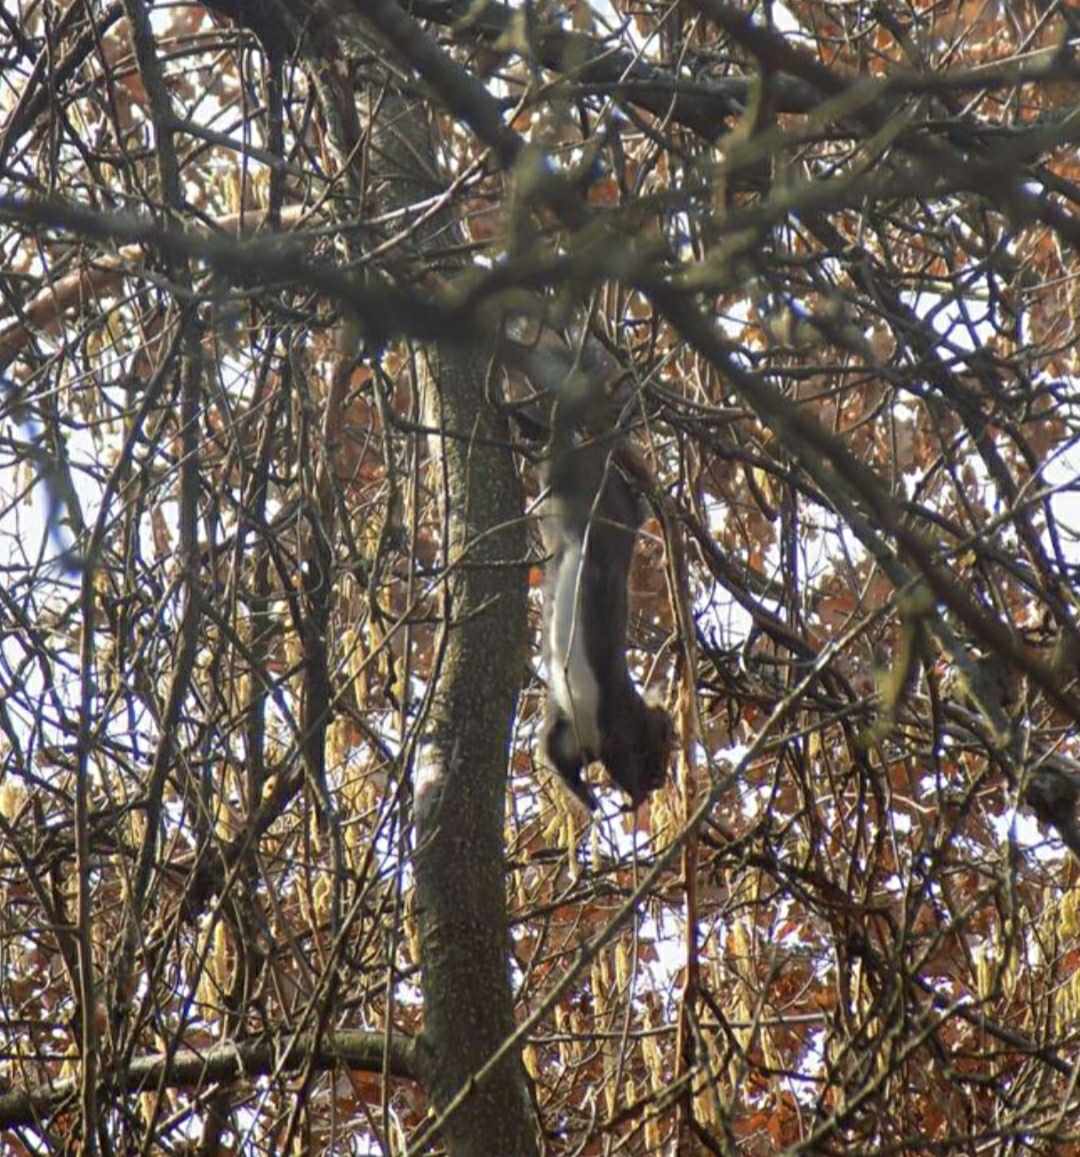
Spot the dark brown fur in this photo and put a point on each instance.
(634, 738)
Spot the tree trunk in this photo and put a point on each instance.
(460, 783)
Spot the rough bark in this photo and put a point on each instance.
(460, 782)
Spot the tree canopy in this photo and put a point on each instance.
(286, 291)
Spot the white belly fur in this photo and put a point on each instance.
(572, 681)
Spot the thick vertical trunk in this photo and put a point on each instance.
(460, 783)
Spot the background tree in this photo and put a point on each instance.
(283, 288)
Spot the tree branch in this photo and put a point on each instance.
(192, 1068)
